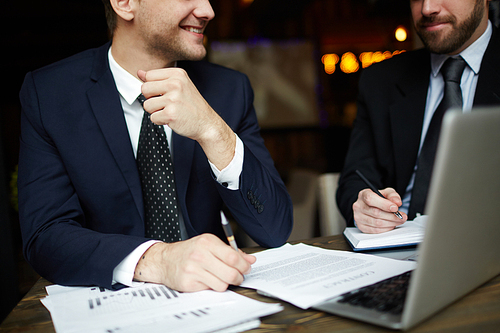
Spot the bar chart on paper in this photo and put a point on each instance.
(117, 300)
(150, 308)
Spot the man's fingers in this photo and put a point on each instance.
(251, 259)
(369, 224)
(372, 199)
(233, 259)
(161, 74)
(212, 273)
(152, 90)
(196, 278)
(142, 75)
(154, 104)
(159, 82)
(389, 204)
(215, 263)
(392, 196)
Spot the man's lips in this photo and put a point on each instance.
(432, 25)
(193, 29)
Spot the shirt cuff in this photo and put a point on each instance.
(230, 175)
(124, 271)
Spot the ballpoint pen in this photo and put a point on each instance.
(374, 189)
(228, 231)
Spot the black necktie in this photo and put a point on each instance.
(157, 179)
(452, 71)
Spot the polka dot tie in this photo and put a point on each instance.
(157, 179)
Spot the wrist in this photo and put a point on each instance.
(219, 144)
(150, 267)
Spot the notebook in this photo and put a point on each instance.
(408, 234)
(460, 250)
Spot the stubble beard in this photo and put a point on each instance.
(175, 49)
(165, 43)
(436, 42)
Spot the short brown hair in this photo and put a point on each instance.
(110, 17)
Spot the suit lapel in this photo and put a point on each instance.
(105, 103)
(406, 117)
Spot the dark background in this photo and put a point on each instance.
(37, 33)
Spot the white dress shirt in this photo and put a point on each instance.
(473, 55)
(129, 88)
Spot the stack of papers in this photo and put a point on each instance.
(152, 308)
(306, 275)
(409, 233)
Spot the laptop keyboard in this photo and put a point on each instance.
(384, 296)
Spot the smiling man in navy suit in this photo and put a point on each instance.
(82, 208)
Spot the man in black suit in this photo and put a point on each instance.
(82, 197)
(396, 102)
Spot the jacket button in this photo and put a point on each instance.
(260, 209)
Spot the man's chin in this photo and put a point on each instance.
(435, 42)
(195, 55)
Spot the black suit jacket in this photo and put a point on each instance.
(391, 104)
(80, 199)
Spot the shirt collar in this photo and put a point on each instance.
(473, 55)
(128, 85)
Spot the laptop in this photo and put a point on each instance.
(461, 247)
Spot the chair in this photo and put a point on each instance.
(330, 220)
(302, 187)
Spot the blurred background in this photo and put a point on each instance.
(303, 57)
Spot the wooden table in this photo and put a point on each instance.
(479, 311)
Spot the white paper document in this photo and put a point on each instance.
(152, 308)
(306, 275)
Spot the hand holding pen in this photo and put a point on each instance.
(371, 214)
(374, 189)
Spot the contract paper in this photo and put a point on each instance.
(152, 308)
(305, 275)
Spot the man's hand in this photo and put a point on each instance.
(374, 214)
(173, 100)
(200, 263)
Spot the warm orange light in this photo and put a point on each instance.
(387, 55)
(401, 34)
(349, 63)
(330, 61)
(378, 56)
(245, 3)
(366, 59)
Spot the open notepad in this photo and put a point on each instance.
(409, 233)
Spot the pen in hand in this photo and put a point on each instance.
(228, 231)
(374, 189)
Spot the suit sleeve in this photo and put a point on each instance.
(262, 205)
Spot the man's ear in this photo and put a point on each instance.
(124, 8)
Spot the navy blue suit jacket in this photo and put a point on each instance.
(391, 104)
(80, 198)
